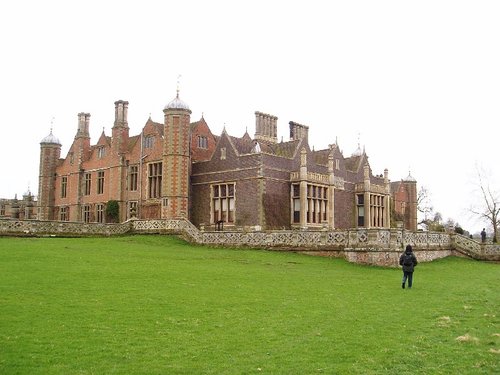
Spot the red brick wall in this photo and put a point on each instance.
(201, 129)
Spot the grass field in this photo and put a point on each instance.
(156, 305)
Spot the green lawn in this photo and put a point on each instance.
(156, 305)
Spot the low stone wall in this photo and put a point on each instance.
(384, 258)
(366, 246)
(61, 228)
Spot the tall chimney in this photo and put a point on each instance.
(83, 125)
(298, 131)
(120, 130)
(266, 127)
(121, 112)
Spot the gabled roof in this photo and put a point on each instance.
(241, 145)
(321, 156)
(354, 163)
(286, 149)
(282, 149)
(103, 140)
(132, 141)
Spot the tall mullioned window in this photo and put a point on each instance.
(149, 141)
(133, 177)
(100, 212)
(223, 203)
(154, 180)
(64, 213)
(88, 183)
(377, 210)
(64, 186)
(87, 213)
(296, 203)
(360, 207)
(316, 203)
(202, 141)
(100, 182)
(101, 152)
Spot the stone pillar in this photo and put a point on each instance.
(303, 189)
(387, 206)
(368, 215)
(331, 193)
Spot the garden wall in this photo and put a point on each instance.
(366, 246)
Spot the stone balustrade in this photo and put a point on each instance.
(368, 246)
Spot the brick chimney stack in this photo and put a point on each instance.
(120, 130)
(121, 113)
(266, 127)
(83, 125)
(298, 131)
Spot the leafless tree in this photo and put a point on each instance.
(424, 205)
(489, 208)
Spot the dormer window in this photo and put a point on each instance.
(202, 141)
(149, 141)
(223, 153)
(101, 152)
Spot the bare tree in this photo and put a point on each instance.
(489, 208)
(424, 205)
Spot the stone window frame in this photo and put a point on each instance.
(222, 203)
(149, 141)
(133, 177)
(64, 213)
(64, 186)
(101, 152)
(155, 179)
(377, 210)
(100, 210)
(360, 210)
(295, 192)
(316, 206)
(87, 213)
(100, 182)
(202, 142)
(87, 183)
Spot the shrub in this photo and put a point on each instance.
(112, 211)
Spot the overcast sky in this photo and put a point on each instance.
(416, 83)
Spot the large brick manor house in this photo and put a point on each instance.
(179, 169)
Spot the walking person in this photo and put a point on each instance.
(408, 260)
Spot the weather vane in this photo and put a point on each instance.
(178, 83)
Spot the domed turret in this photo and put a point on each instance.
(51, 139)
(410, 178)
(177, 103)
(50, 151)
(176, 160)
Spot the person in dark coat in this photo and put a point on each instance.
(408, 260)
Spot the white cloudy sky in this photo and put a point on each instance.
(416, 82)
